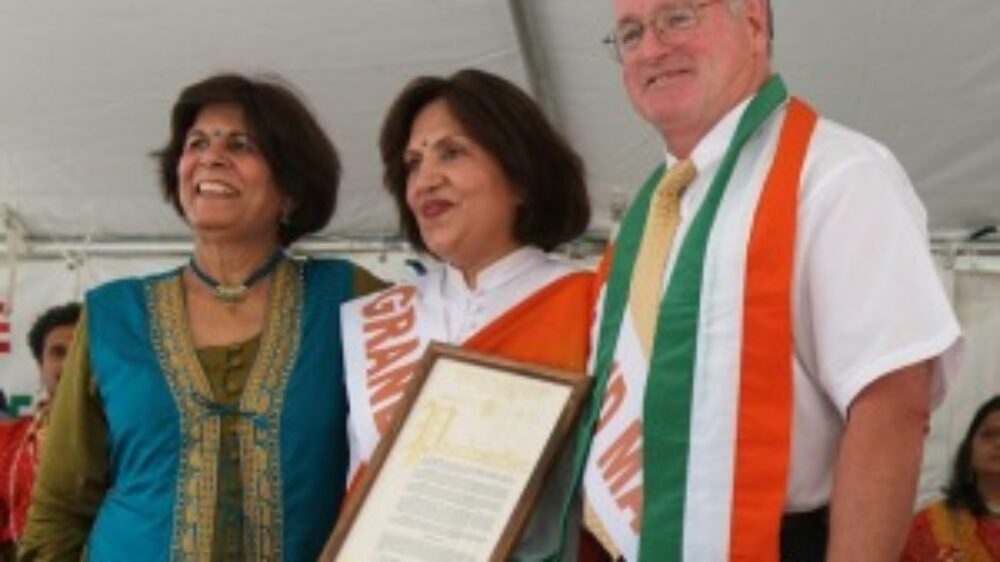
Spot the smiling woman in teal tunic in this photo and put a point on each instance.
(202, 410)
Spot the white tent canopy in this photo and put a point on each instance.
(86, 89)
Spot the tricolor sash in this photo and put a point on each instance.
(722, 378)
(386, 333)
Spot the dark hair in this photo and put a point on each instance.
(961, 491)
(57, 316)
(546, 174)
(302, 158)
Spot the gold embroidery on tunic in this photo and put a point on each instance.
(259, 425)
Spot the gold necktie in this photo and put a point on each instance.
(651, 260)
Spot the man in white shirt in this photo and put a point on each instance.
(802, 333)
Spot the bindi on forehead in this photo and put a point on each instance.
(421, 144)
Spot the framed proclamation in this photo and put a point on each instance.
(456, 475)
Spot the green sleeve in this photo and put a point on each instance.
(72, 477)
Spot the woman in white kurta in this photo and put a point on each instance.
(486, 186)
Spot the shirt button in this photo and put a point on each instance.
(233, 385)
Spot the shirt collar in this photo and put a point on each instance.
(497, 273)
(712, 147)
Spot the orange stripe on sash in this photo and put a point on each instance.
(550, 328)
(764, 422)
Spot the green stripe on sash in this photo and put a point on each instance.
(667, 397)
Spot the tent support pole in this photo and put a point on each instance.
(530, 48)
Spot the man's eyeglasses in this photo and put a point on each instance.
(669, 18)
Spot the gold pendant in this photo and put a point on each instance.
(230, 293)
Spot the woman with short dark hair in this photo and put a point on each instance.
(285, 135)
(486, 187)
(542, 171)
(965, 525)
(202, 411)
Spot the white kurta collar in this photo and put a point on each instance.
(495, 275)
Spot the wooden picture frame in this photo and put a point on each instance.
(458, 471)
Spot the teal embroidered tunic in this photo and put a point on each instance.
(173, 442)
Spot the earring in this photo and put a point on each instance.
(286, 215)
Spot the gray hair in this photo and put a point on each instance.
(769, 20)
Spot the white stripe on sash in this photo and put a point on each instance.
(384, 337)
(614, 467)
(717, 366)
(713, 406)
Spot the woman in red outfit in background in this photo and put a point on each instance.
(965, 525)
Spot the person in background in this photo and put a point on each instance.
(772, 329)
(21, 440)
(486, 187)
(202, 412)
(49, 338)
(965, 525)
